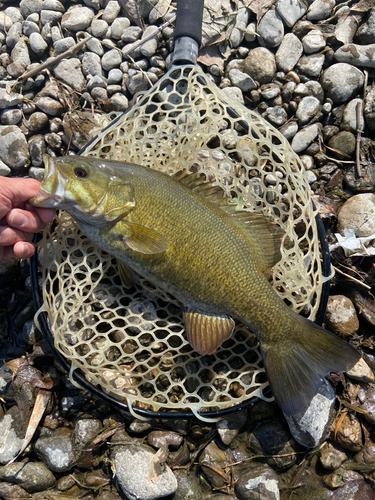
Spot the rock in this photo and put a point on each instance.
(311, 65)
(361, 372)
(99, 28)
(4, 169)
(12, 491)
(258, 483)
(341, 82)
(349, 119)
(341, 317)
(119, 25)
(64, 44)
(157, 439)
(349, 433)
(357, 55)
(117, 102)
(132, 465)
(332, 456)
(97, 81)
(358, 214)
(341, 476)
(212, 461)
(271, 438)
(305, 137)
(11, 116)
(276, 115)
(20, 53)
(137, 82)
(5, 22)
(289, 130)
(37, 121)
(237, 33)
(111, 11)
(355, 489)
(307, 108)
(131, 34)
(309, 427)
(320, 9)
(260, 65)
(346, 27)
(271, 29)
(288, 53)
(366, 456)
(311, 177)
(229, 426)
(13, 147)
(37, 148)
(313, 42)
(290, 11)
(30, 27)
(49, 106)
(49, 17)
(56, 449)
(241, 80)
(37, 44)
(77, 19)
(344, 144)
(11, 437)
(149, 47)
(14, 35)
(31, 476)
(70, 72)
(85, 429)
(189, 487)
(91, 64)
(111, 59)
(366, 32)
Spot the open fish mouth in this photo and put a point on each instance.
(48, 195)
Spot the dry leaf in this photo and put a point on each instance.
(363, 6)
(211, 55)
(132, 10)
(160, 9)
(158, 464)
(259, 7)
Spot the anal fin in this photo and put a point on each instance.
(126, 274)
(206, 332)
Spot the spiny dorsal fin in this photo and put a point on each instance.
(197, 182)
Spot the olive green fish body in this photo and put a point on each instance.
(202, 253)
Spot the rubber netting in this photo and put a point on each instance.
(131, 343)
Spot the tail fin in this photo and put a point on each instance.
(296, 369)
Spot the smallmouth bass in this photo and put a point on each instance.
(180, 233)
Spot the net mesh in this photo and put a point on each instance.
(131, 343)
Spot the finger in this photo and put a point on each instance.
(26, 221)
(23, 250)
(46, 215)
(10, 236)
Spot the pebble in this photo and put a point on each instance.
(313, 42)
(340, 477)
(229, 426)
(241, 80)
(311, 65)
(307, 108)
(20, 53)
(157, 439)
(11, 116)
(341, 82)
(320, 9)
(132, 465)
(117, 102)
(111, 59)
(189, 487)
(341, 317)
(343, 144)
(63, 44)
(69, 71)
(48, 105)
(309, 427)
(56, 449)
(366, 32)
(291, 11)
(368, 108)
(331, 456)
(37, 121)
(99, 28)
(276, 115)
(50, 17)
(270, 29)
(85, 429)
(10, 436)
(29, 27)
(361, 372)
(131, 34)
(260, 482)
(260, 64)
(111, 11)
(14, 35)
(13, 147)
(305, 137)
(366, 455)
(77, 19)
(349, 118)
(149, 47)
(357, 55)
(91, 64)
(289, 53)
(213, 461)
(349, 433)
(346, 28)
(358, 214)
(31, 476)
(5, 22)
(355, 489)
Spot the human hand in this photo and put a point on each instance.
(18, 220)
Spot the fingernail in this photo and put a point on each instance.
(18, 219)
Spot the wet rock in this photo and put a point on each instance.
(37, 121)
(291, 11)
(31, 476)
(356, 489)
(77, 19)
(56, 449)
(357, 55)
(11, 436)
(366, 456)
(229, 426)
(288, 53)
(340, 477)
(332, 456)
(215, 459)
(343, 144)
(341, 317)
(369, 405)
(132, 465)
(341, 82)
(309, 427)
(272, 438)
(85, 429)
(69, 71)
(13, 491)
(188, 486)
(349, 433)
(157, 439)
(271, 29)
(305, 137)
(361, 372)
(358, 214)
(349, 119)
(260, 482)
(260, 65)
(13, 147)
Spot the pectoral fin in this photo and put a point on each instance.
(206, 332)
(126, 274)
(142, 239)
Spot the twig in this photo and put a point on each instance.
(358, 148)
(351, 278)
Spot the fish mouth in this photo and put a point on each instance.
(48, 195)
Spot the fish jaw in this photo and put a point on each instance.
(51, 189)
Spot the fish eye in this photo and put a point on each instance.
(80, 172)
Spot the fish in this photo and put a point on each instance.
(181, 233)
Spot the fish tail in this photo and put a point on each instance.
(296, 368)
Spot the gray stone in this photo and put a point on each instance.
(70, 72)
(34, 17)
(97, 81)
(344, 142)
(260, 64)
(366, 32)
(8, 100)
(289, 130)
(94, 45)
(77, 19)
(111, 11)
(288, 53)
(241, 80)
(189, 487)
(5, 22)
(320, 9)
(368, 108)
(85, 429)
(37, 44)
(271, 29)
(270, 91)
(14, 35)
(13, 147)
(29, 27)
(31, 476)
(131, 34)
(314, 41)
(118, 26)
(50, 16)
(260, 482)
(37, 121)
(56, 450)
(305, 137)
(358, 214)
(315, 89)
(115, 76)
(93, 4)
(37, 148)
(10, 440)
(11, 116)
(149, 47)
(132, 465)
(237, 33)
(56, 34)
(341, 317)
(229, 426)
(357, 55)
(99, 28)
(53, 5)
(20, 53)
(111, 59)
(346, 27)
(137, 82)
(307, 162)
(64, 44)
(250, 33)
(307, 108)
(311, 65)
(291, 11)
(117, 102)
(349, 118)
(15, 14)
(309, 427)
(341, 82)
(91, 64)
(276, 115)
(30, 6)
(4, 169)
(157, 439)
(47, 105)
(311, 177)
(234, 93)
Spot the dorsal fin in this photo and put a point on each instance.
(262, 229)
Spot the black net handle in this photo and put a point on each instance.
(189, 18)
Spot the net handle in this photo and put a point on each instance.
(188, 31)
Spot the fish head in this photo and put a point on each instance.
(85, 188)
